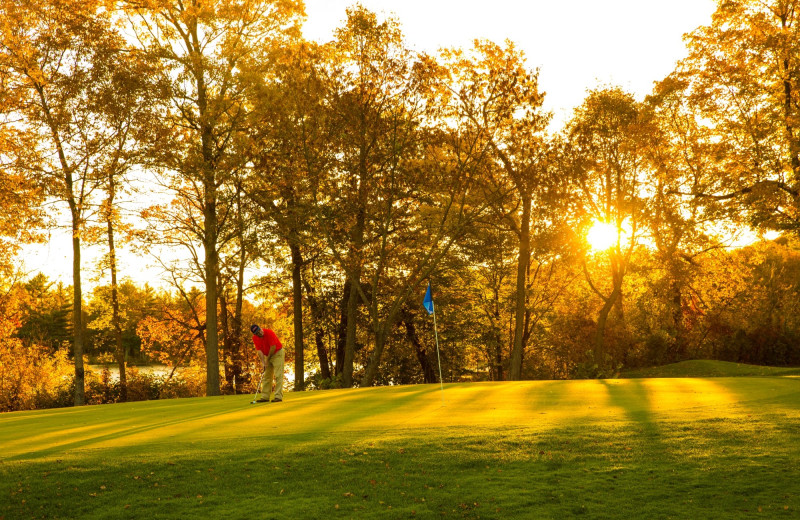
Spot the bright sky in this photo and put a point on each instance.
(576, 45)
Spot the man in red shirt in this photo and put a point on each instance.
(271, 354)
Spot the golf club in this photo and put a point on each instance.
(258, 389)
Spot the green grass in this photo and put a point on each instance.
(709, 368)
(628, 448)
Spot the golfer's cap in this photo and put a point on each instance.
(255, 329)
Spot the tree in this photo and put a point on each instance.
(20, 193)
(45, 314)
(743, 72)
(488, 276)
(368, 75)
(610, 133)
(175, 334)
(27, 369)
(203, 47)
(288, 151)
(126, 111)
(239, 249)
(55, 57)
(685, 157)
(500, 98)
(134, 305)
(398, 195)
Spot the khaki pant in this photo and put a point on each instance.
(273, 366)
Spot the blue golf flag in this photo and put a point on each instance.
(428, 304)
(428, 301)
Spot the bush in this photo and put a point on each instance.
(27, 374)
(57, 389)
(591, 369)
(317, 382)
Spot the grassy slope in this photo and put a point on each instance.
(640, 448)
(709, 368)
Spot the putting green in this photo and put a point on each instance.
(535, 405)
(627, 448)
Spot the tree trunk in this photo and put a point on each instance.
(210, 231)
(211, 264)
(237, 348)
(112, 257)
(350, 338)
(428, 370)
(77, 314)
(522, 271)
(77, 296)
(322, 353)
(352, 302)
(227, 358)
(497, 368)
(600, 334)
(788, 101)
(319, 332)
(677, 319)
(371, 372)
(211, 258)
(341, 340)
(496, 349)
(297, 297)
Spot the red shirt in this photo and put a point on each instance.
(268, 341)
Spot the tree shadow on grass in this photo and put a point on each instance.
(635, 399)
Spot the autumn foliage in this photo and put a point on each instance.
(318, 187)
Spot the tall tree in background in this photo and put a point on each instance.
(685, 157)
(368, 70)
(610, 133)
(501, 98)
(743, 72)
(288, 151)
(55, 58)
(203, 46)
(239, 249)
(125, 109)
(426, 202)
(488, 276)
(398, 196)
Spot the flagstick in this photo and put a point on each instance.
(436, 335)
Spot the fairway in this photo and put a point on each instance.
(641, 448)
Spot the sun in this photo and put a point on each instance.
(601, 235)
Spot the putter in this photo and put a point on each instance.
(258, 389)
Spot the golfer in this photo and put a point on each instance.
(270, 352)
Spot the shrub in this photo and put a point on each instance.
(28, 373)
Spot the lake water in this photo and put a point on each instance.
(158, 370)
(163, 370)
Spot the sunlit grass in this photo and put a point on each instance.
(642, 448)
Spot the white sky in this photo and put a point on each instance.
(576, 44)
